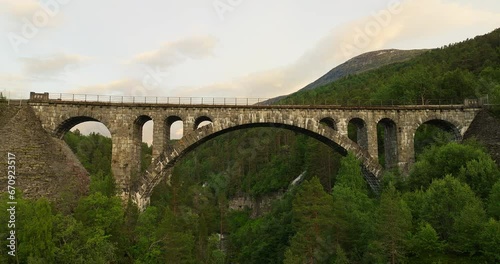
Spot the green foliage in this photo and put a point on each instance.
(215, 254)
(350, 175)
(312, 214)
(93, 151)
(467, 229)
(353, 216)
(490, 241)
(425, 243)
(494, 201)
(262, 240)
(394, 221)
(35, 232)
(467, 162)
(101, 212)
(340, 256)
(444, 201)
(353, 211)
(428, 135)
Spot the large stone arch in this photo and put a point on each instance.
(69, 122)
(161, 166)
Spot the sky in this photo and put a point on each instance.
(213, 48)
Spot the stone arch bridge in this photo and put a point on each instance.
(328, 124)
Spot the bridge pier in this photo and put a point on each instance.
(371, 139)
(124, 162)
(405, 148)
(161, 135)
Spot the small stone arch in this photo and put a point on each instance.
(329, 122)
(390, 144)
(447, 125)
(70, 122)
(361, 132)
(139, 123)
(200, 120)
(169, 121)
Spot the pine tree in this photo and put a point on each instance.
(393, 224)
(312, 214)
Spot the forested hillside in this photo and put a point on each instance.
(447, 210)
(362, 63)
(469, 69)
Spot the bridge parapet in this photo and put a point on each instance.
(254, 102)
(39, 97)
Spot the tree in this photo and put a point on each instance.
(490, 241)
(148, 244)
(480, 174)
(177, 241)
(350, 175)
(101, 212)
(468, 162)
(444, 201)
(494, 201)
(425, 243)
(467, 229)
(312, 214)
(35, 233)
(393, 224)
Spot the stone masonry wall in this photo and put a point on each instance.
(486, 129)
(45, 166)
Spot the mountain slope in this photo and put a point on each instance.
(468, 69)
(359, 64)
(364, 62)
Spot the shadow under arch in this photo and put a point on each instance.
(199, 120)
(162, 164)
(329, 122)
(361, 132)
(445, 125)
(69, 123)
(387, 142)
(434, 131)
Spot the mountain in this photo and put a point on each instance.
(467, 69)
(359, 64)
(364, 62)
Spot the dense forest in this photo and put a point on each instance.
(447, 210)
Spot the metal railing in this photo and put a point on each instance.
(14, 102)
(155, 100)
(232, 101)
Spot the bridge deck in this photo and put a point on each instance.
(254, 106)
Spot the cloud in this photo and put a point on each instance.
(116, 87)
(150, 68)
(412, 22)
(14, 86)
(176, 52)
(407, 21)
(20, 11)
(19, 8)
(53, 65)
